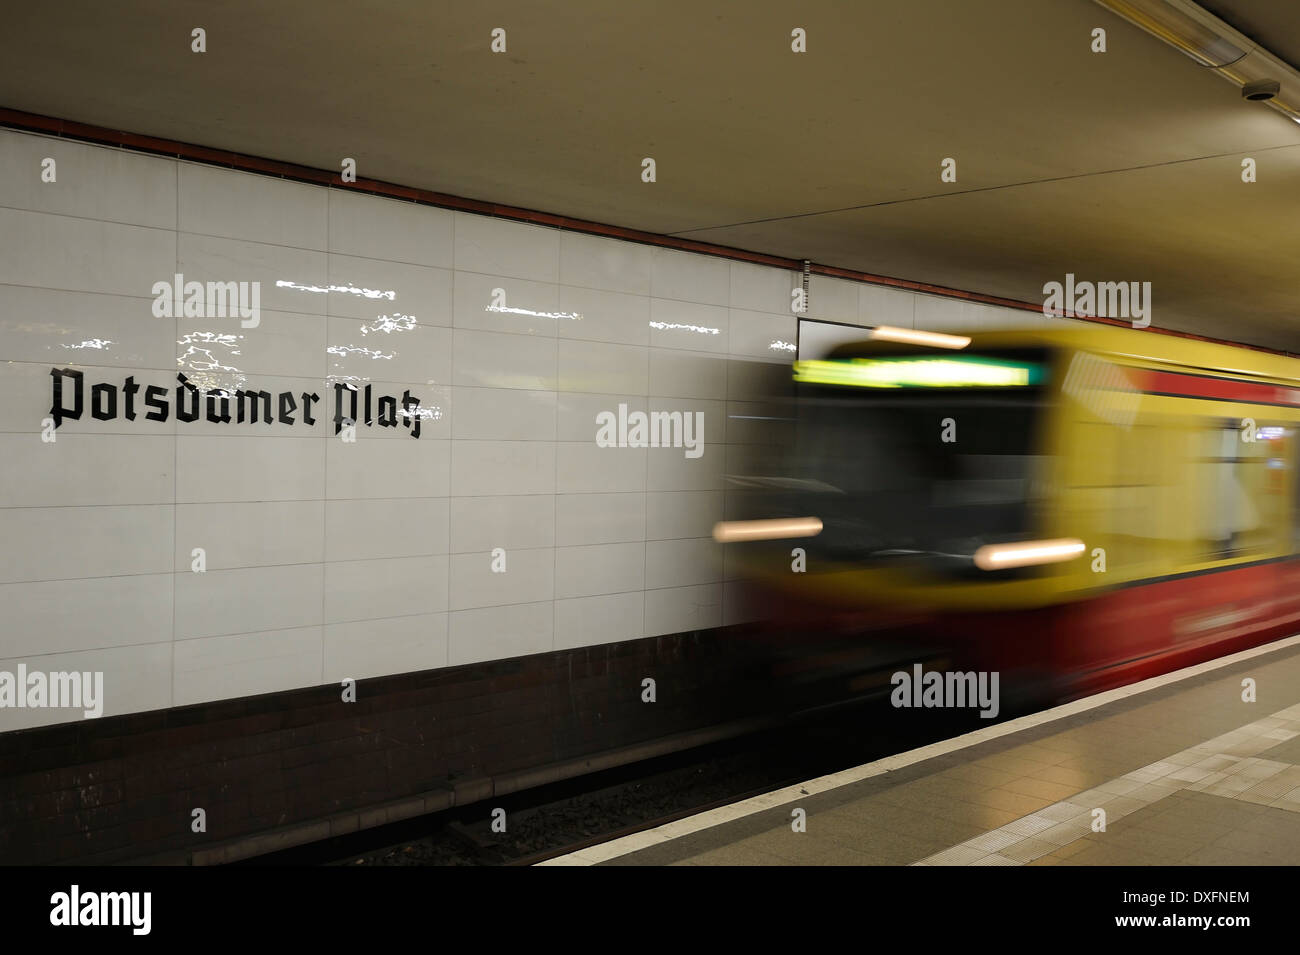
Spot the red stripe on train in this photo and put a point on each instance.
(1135, 632)
(1224, 389)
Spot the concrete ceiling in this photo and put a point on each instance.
(1117, 166)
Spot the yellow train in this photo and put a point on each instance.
(1099, 504)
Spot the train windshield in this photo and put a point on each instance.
(920, 461)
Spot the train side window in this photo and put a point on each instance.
(1220, 493)
(1263, 474)
(1293, 458)
(1243, 488)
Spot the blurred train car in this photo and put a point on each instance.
(1076, 509)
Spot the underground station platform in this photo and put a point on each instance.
(1200, 767)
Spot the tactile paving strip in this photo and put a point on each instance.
(1228, 765)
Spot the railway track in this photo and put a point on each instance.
(567, 816)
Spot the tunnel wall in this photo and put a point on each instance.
(327, 559)
(225, 577)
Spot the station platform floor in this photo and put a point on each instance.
(1185, 771)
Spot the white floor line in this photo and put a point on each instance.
(747, 807)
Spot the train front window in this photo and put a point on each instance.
(920, 472)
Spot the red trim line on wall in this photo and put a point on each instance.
(17, 119)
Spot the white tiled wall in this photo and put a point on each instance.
(324, 559)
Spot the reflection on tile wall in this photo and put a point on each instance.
(324, 558)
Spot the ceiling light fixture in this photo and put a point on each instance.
(1212, 43)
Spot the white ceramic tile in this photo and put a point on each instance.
(65, 615)
(503, 414)
(60, 252)
(285, 344)
(671, 515)
(682, 563)
(599, 569)
(529, 577)
(34, 392)
(583, 466)
(229, 468)
(762, 336)
(86, 469)
(84, 328)
(688, 326)
(933, 312)
(976, 317)
(245, 600)
(681, 609)
(498, 633)
(591, 621)
(596, 262)
(290, 279)
(1010, 315)
(375, 589)
(54, 543)
(478, 524)
(707, 424)
(688, 277)
(680, 374)
(605, 316)
(832, 300)
(371, 648)
(599, 518)
(496, 303)
(360, 352)
(380, 228)
(500, 360)
(577, 413)
(501, 247)
(701, 422)
(361, 530)
(92, 182)
(760, 288)
(503, 467)
(246, 664)
(882, 305)
(386, 295)
(245, 205)
(670, 470)
(251, 534)
(257, 406)
(600, 368)
(135, 678)
(371, 468)
(430, 404)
